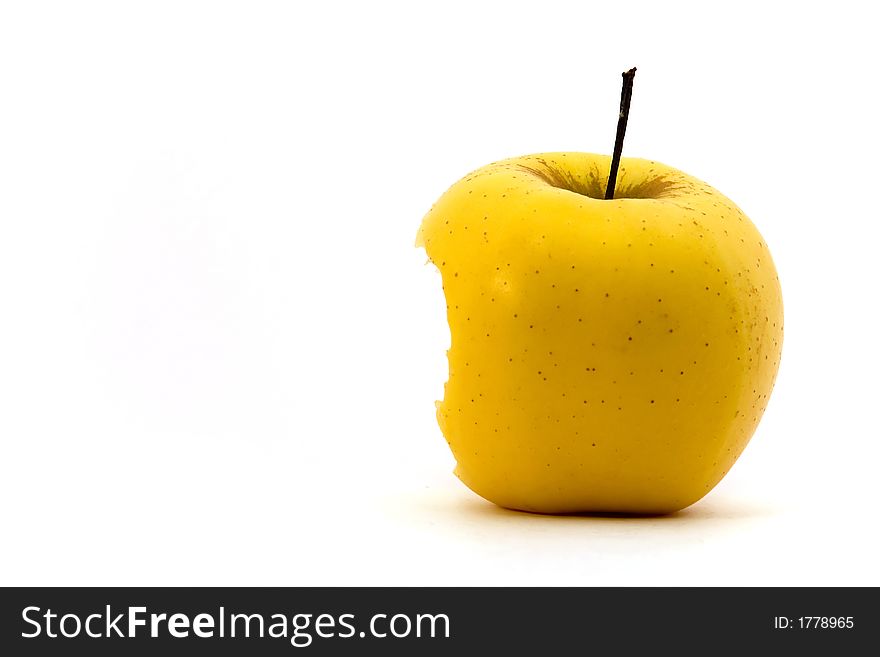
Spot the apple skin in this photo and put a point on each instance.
(607, 356)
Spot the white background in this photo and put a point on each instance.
(219, 350)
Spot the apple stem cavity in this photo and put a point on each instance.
(625, 98)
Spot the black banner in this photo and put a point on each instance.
(434, 621)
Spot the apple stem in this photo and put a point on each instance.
(625, 97)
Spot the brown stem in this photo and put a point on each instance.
(625, 97)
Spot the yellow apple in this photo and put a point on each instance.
(607, 355)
